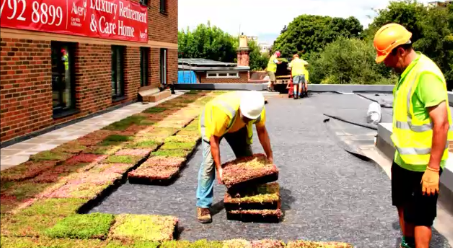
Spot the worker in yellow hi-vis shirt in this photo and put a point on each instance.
(230, 116)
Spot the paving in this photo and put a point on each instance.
(327, 193)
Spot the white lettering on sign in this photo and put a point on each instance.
(125, 30)
(106, 27)
(125, 11)
(16, 6)
(43, 14)
(104, 6)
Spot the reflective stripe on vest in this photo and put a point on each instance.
(418, 133)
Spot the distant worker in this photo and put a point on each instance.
(421, 128)
(230, 116)
(272, 69)
(297, 76)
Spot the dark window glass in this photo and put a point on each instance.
(163, 66)
(63, 83)
(163, 6)
(144, 66)
(117, 71)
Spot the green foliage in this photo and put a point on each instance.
(125, 123)
(309, 33)
(154, 110)
(208, 42)
(348, 61)
(258, 61)
(144, 227)
(82, 226)
(54, 207)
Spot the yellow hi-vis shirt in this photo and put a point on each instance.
(221, 116)
(297, 66)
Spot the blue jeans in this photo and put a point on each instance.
(206, 173)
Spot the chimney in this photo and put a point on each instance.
(243, 58)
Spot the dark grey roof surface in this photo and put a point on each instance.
(327, 193)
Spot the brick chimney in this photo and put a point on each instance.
(243, 58)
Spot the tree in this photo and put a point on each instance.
(207, 42)
(258, 61)
(312, 33)
(348, 61)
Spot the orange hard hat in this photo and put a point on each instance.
(388, 37)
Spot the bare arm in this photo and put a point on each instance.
(439, 117)
(265, 142)
(215, 151)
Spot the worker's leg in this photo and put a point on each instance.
(423, 214)
(401, 199)
(271, 80)
(205, 188)
(302, 81)
(296, 81)
(238, 142)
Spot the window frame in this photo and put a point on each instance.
(120, 50)
(163, 66)
(144, 66)
(163, 7)
(63, 112)
(215, 74)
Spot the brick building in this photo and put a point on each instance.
(210, 71)
(52, 78)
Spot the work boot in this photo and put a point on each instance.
(404, 244)
(204, 215)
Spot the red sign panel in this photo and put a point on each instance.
(109, 19)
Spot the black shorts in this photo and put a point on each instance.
(419, 209)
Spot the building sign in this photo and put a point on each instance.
(108, 19)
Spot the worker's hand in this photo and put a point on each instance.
(219, 175)
(271, 160)
(430, 181)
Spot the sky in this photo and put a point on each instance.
(266, 18)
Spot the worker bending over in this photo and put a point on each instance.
(297, 75)
(421, 128)
(272, 69)
(230, 116)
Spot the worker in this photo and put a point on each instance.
(297, 75)
(272, 69)
(421, 128)
(230, 116)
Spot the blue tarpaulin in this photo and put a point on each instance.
(187, 77)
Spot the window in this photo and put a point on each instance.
(144, 65)
(163, 6)
(222, 74)
(144, 2)
(63, 82)
(163, 66)
(117, 72)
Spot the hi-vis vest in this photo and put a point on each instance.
(229, 104)
(413, 137)
(298, 67)
(66, 62)
(271, 65)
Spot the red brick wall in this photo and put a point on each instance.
(25, 81)
(25, 88)
(163, 27)
(172, 66)
(243, 78)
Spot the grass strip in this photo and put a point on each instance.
(144, 227)
(82, 226)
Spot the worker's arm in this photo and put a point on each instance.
(439, 118)
(215, 151)
(265, 142)
(431, 92)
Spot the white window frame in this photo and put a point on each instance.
(215, 74)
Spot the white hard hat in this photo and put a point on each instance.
(252, 103)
